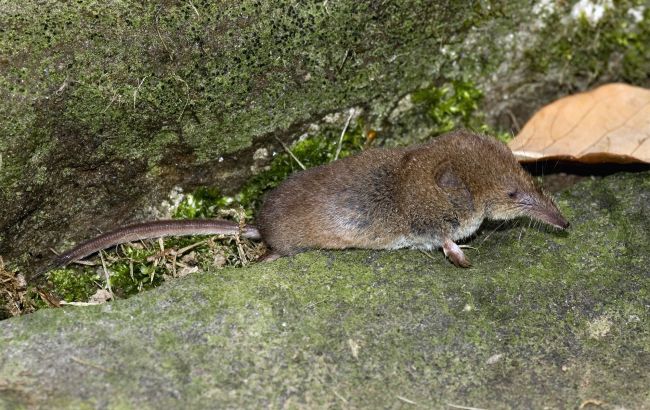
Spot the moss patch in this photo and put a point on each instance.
(621, 44)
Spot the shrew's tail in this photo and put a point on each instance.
(155, 229)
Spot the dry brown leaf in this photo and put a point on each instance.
(101, 296)
(49, 298)
(608, 124)
(13, 290)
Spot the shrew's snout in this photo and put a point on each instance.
(554, 218)
(564, 224)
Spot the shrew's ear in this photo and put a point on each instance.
(453, 187)
(446, 178)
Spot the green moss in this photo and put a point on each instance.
(141, 267)
(582, 50)
(450, 105)
(202, 203)
(455, 105)
(70, 286)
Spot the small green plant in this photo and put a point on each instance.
(454, 105)
(615, 44)
(450, 105)
(71, 286)
(202, 203)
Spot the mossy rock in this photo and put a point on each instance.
(543, 319)
(113, 105)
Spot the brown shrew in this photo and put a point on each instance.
(425, 197)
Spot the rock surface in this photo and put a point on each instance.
(542, 320)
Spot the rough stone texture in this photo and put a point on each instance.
(542, 320)
(108, 105)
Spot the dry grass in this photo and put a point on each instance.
(13, 290)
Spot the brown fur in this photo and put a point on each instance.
(414, 197)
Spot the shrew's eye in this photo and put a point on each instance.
(512, 194)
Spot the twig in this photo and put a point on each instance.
(115, 96)
(325, 7)
(171, 57)
(63, 86)
(241, 224)
(181, 252)
(456, 406)
(515, 123)
(339, 396)
(194, 8)
(240, 214)
(192, 246)
(187, 100)
(107, 276)
(345, 58)
(135, 93)
(63, 302)
(468, 247)
(161, 244)
(345, 128)
(94, 366)
(591, 402)
(405, 400)
(427, 254)
(84, 263)
(312, 304)
(290, 153)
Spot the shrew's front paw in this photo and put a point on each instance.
(455, 254)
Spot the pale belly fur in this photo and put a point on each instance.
(428, 243)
